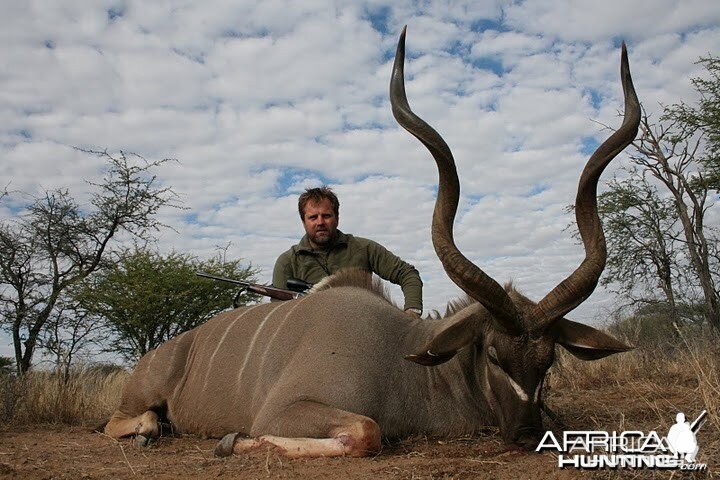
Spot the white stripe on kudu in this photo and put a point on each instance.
(278, 328)
(222, 339)
(251, 346)
(269, 345)
(518, 389)
(538, 389)
(152, 357)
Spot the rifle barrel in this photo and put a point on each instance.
(266, 290)
(222, 279)
(697, 423)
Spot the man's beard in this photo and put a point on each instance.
(324, 239)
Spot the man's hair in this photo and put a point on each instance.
(317, 195)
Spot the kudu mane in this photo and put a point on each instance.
(457, 304)
(358, 278)
(353, 277)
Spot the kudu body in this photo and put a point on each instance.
(327, 373)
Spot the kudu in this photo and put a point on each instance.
(324, 375)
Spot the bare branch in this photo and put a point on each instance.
(55, 244)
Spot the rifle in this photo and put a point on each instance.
(698, 422)
(296, 288)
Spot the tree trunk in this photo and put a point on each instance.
(657, 150)
(698, 250)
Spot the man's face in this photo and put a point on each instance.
(320, 222)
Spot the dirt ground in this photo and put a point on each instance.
(62, 452)
(74, 453)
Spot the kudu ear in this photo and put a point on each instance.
(585, 342)
(456, 332)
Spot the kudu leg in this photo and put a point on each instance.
(309, 429)
(144, 426)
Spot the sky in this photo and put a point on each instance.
(258, 100)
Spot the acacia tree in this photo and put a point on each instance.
(54, 243)
(704, 117)
(69, 333)
(703, 122)
(642, 254)
(680, 154)
(147, 298)
(670, 152)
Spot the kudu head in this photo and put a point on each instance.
(514, 337)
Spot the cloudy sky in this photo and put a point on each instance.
(258, 100)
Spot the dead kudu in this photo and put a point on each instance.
(327, 374)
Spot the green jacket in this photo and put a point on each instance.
(304, 263)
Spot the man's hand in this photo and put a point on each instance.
(412, 312)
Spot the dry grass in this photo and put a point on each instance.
(88, 397)
(642, 390)
(688, 371)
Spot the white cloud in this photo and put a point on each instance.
(508, 47)
(261, 99)
(590, 21)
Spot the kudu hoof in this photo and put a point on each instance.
(224, 448)
(141, 440)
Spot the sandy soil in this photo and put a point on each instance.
(75, 453)
(63, 452)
